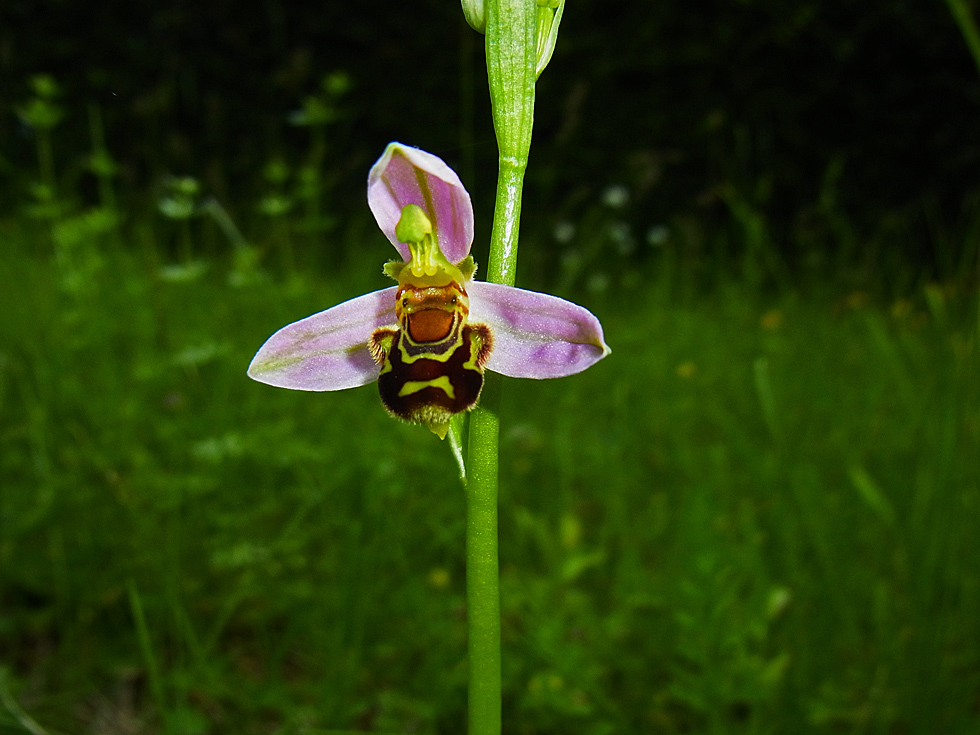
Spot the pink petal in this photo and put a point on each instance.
(406, 175)
(535, 335)
(329, 350)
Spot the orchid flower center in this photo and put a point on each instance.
(428, 266)
(431, 302)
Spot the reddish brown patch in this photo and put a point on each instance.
(430, 325)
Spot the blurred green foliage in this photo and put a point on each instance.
(758, 515)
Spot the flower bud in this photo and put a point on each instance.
(475, 15)
(548, 18)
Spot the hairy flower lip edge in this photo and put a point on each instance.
(535, 335)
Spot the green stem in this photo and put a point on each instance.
(482, 573)
(511, 45)
(502, 267)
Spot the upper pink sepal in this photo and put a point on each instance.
(329, 350)
(405, 175)
(535, 335)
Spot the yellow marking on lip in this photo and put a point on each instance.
(414, 386)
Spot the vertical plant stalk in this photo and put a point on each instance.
(482, 569)
(511, 44)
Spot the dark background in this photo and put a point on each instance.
(845, 126)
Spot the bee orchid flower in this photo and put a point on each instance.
(428, 340)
